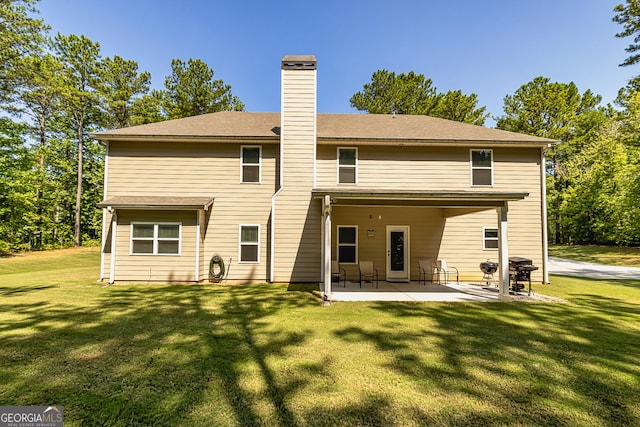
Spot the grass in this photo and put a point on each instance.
(609, 255)
(272, 355)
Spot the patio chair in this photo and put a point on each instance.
(368, 272)
(338, 273)
(444, 271)
(425, 270)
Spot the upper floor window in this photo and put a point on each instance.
(347, 165)
(155, 238)
(250, 163)
(482, 167)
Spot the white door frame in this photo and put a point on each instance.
(404, 274)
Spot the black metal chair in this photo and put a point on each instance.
(338, 273)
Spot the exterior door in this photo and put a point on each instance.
(397, 253)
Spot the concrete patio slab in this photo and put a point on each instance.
(413, 291)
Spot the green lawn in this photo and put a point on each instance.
(611, 255)
(215, 355)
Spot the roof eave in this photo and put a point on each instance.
(186, 138)
(431, 142)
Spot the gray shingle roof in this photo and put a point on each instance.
(366, 128)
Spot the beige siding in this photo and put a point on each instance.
(213, 170)
(426, 226)
(297, 217)
(156, 268)
(514, 170)
(425, 168)
(460, 241)
(202, 169)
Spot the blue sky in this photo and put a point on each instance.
(487, 47)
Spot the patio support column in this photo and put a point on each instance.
(503, 250)
(326, 210)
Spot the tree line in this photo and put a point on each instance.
(55, 90)
(593, 183)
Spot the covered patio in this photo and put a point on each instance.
(454, 203)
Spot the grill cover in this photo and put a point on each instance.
(515, 261)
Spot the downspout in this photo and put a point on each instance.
(104, 212)
(545, 230)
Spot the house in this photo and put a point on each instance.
(280, 195)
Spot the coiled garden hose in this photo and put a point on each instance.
(219, 262)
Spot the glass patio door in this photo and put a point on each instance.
(397, 253)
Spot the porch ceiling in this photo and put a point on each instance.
(436, 198)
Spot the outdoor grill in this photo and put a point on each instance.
(488, 268)
(520, 271)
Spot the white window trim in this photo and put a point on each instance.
(240, 242)
(472, 168)
(259, 164)
(349, 244)
(484, 239)
(338, 166)
(155, 238)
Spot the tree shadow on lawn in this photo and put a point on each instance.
(155, 355)
(10, 290)
(538, 364)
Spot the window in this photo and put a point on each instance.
(347, 244)
(250, 164)
(482, 167)
(489, 238)
(155, 238)
(249, 243)
(347, 165)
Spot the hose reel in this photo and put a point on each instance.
(216, 261)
